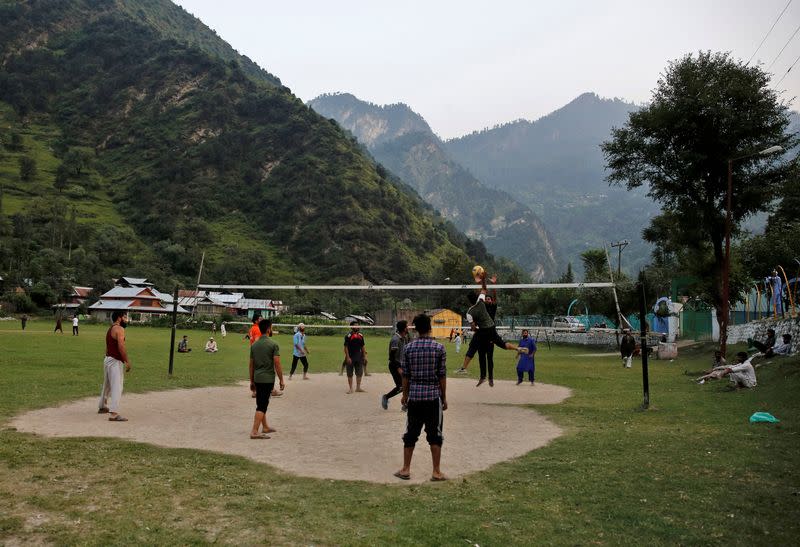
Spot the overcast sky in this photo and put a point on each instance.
(465, 65)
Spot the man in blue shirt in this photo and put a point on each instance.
(299, 351)
(527, 350)
(425, 395)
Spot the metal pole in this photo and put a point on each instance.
(643, 338)
(174, 323)
(723, 328)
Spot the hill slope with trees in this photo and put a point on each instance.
(134, 139)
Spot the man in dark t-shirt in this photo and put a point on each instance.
(355, 355)
(265, 366)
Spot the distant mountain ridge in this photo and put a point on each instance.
(402, 141)
(556, 161)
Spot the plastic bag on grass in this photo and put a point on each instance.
(763, 417)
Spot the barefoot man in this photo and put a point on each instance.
(424, 391)
(355, 355)
(265, 364)
(113, 374)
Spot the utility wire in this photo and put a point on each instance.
(769, 32)
(784, 46)
(788, 71)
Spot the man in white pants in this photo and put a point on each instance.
(113, 374)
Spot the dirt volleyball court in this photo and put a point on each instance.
(322, 431)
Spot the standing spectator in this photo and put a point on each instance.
(396, 346)
(425, 394)
(299, 351)
(75, 325)
(183, 345)
(58, 328)
(213, 328)
(355, 355)
(458, 342)
(626, 347)
(113, 374)
(222, 330)
(24, 320)
(776, 298)
(265, 364)
(527, 352)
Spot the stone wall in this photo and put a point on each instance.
(758, 331)
(604, 338)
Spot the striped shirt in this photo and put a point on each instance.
(423, 365)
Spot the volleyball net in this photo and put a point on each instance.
(329, 309)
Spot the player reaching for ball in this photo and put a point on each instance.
(484, 329)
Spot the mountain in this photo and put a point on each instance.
(134, 139)
(557, 164)
(402, 141)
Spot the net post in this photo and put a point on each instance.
(643, 335)
(172, 335)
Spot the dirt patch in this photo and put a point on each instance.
(322, 432)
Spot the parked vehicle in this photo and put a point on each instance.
(568, 322)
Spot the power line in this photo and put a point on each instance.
(788, 71)
(784, 46)
(769, 32)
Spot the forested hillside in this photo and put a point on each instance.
(402, 141)
(134, 139)
(556, 165)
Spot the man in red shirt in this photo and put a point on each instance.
(113, 375)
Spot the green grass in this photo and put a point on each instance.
(691, 470)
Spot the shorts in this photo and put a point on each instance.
(263, 391)
(356, 365)
(429, 414)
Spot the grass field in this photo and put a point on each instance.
(691, 470)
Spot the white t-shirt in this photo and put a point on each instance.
(744, 374)
(74, 321)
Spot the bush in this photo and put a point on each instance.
(19, 303)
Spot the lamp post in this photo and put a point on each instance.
(726, 267)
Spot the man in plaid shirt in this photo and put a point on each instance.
(424, 391)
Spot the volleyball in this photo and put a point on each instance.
(478, 272)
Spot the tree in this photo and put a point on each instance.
(706, 110)
(62, 178)
(75, 161)
(27, 168)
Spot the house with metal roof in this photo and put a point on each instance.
(141, 303)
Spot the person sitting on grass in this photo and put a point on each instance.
(211, 345)
(183, 345)
(764, 347)
(784, 348)
(742, 374)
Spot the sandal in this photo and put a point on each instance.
(438, 479)
(403, 476)
(259, 437)
(118, 418)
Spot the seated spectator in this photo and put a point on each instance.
(766, 346)
(211, 345)
(183, 345)
(784, 348)
(742, 374)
